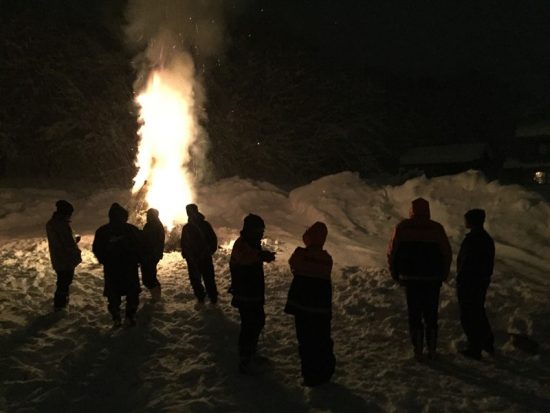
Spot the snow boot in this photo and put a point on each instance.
(130, 320)
(117, 321)
(471, 353)
(418, 343)
(156, 294)
(431, 341)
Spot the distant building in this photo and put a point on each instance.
(450, 159)
(528, 161)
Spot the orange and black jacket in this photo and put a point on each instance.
(247, 274)
(419, 249)
(310, 292)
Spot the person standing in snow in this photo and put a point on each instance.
(248, 287)
(117, 246)
(64, 252)
(474, 264)
(310, 301)
(153, 246)
(419, 258)
(198, 244)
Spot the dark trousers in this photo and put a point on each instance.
(132, 304)
(252, 323)
(202, 270)
(471, 300)
(64, 281)
(315, 347)
(422, 305)
(149, 274)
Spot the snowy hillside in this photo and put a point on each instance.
(182, 359)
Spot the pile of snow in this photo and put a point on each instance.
(180, 358)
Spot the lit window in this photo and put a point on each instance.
(540, 177)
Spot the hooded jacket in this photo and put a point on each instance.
(64, 252)
(419, 249)
(117, 245)
(311, 289)
(246, 265)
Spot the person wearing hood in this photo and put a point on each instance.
(474, 267)
(117, 246)
(64, 252)
(419, 258)
(310, 301)
(248, 287)
(198, 244)
(153, 247)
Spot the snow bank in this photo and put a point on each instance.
(179, 358)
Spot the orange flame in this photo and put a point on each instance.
(168, 129)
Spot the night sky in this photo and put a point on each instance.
(507, 38)
(442, 72)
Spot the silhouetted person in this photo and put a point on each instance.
(310, 301)
(419, 257)
(248, 286)
(64, 253)
(117, 246)
(198, 244)
(153, 250)
(474, 264)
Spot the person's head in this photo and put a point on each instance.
(152, 214)
(316, 235)
(64, 208)
(474, 218)
(117, 214)
(253, 227)
(420, 208)
(193, 212)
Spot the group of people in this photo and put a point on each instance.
(419, 257)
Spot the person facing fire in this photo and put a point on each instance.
(117, 246)
(64, 252)
(153, 247)
(198, 244)
(474, 267)
(248, 287)
(310, 301)
(419, 257)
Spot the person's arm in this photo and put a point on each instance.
(390, 254)
(446, 251)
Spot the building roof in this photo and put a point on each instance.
(533, 129)
(445, 154)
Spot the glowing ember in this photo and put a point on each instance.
(168, 130)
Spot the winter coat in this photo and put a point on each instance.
(419, 249)
(247, 274)
(476, 258)
(117, 245)
(198, 239)
(153, 240)
(310, 292)
(64, 253)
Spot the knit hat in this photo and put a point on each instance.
(64, 207)
(252, 221)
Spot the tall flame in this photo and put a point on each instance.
(168, 129)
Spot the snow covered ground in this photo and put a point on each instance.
(183, 359)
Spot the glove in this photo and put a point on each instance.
(267, 256)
